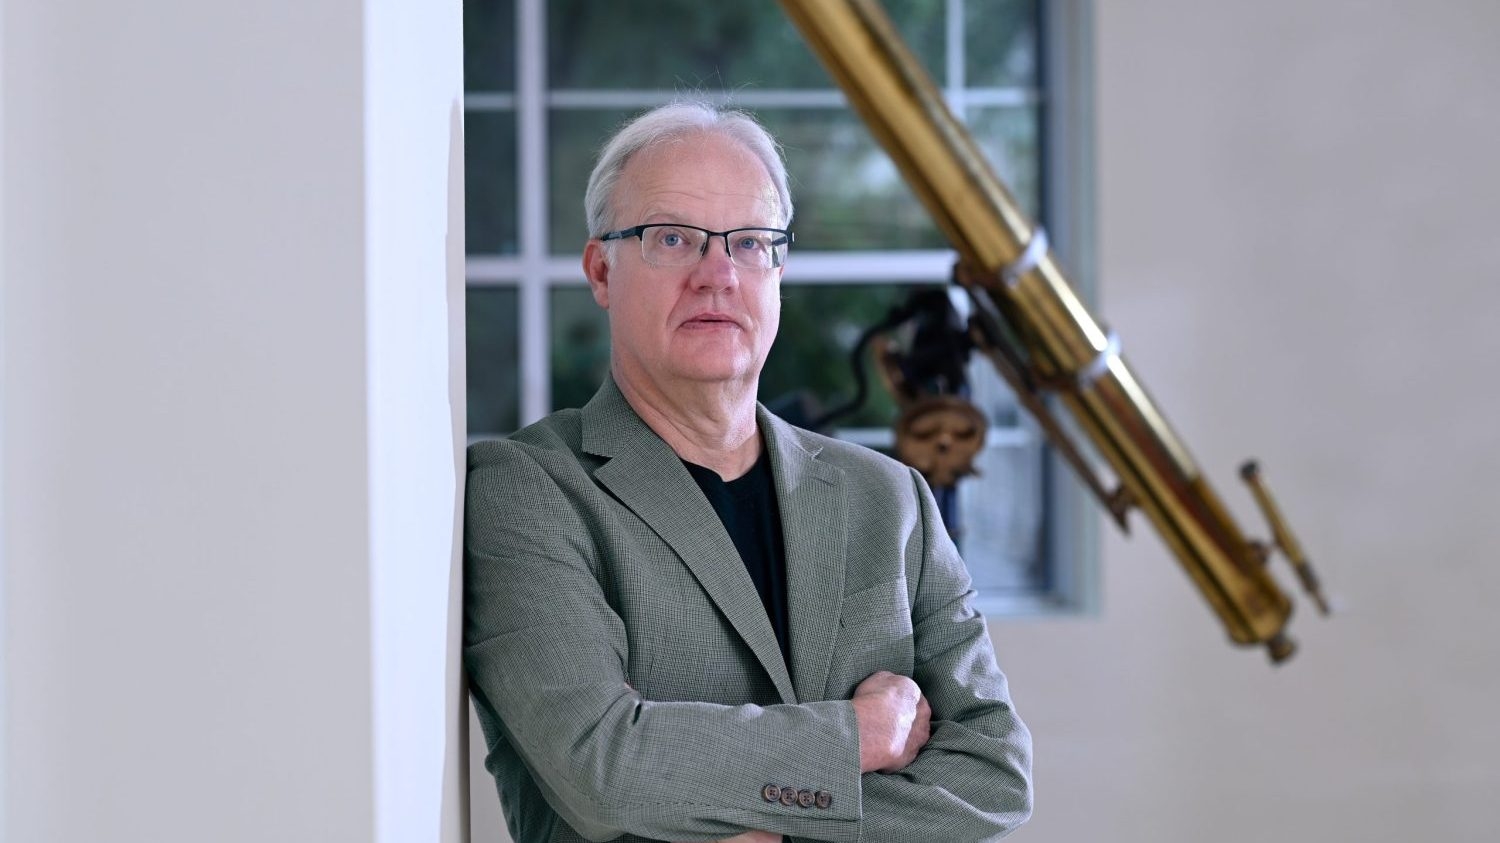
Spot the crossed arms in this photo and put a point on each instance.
(939, 755)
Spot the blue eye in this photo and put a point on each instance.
(672, 238)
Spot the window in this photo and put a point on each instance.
(547, 80)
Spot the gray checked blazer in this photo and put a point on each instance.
(628, 679)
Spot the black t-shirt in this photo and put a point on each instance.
(747, 506)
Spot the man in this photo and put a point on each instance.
(688, 620)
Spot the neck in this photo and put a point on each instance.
(712, 425)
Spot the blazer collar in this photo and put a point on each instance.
(815, 524)
(648, 477)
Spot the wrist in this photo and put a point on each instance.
(873, 751)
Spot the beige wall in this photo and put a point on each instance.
(1296, 204)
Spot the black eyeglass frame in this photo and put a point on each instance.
(638, 230)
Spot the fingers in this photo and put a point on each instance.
(916, 736)
(885, 682)
(921, 731)
(874, 683)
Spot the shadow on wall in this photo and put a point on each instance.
(455, 791)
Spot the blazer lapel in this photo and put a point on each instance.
(647, 476)
(814, 521)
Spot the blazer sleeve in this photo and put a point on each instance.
(972, 781)
(547, 661)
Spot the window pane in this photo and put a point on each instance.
(575, 139)
(1001, 510)
(490, 182)
(692, 45)
(580, 346)
(1000, 38)
(923, 26)
(848, 193)
(809, 370)
(489, 45)
(493, 360)
(1000, 519)
(1009, 139)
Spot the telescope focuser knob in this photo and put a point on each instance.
(1284, 539)
(1280, 648)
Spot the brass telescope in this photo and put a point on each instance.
(1031, 324)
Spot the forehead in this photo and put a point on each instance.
(694, 175)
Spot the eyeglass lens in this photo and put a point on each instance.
(682, 245)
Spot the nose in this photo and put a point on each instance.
(714, 270)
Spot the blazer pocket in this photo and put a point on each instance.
(886, 601)
(875, 634)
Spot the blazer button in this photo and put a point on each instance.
(770, 793)
(823, 798)
(789, 796)
(805, 798)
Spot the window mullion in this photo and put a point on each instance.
(953, 36)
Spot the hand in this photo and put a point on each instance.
(921, 730)
(894, 722)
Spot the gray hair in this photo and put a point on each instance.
(668, 123)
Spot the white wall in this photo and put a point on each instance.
(1297, 204)
(231, 298)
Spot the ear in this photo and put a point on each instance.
(596, 270)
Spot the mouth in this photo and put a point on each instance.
(711, 320)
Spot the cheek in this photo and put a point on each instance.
(773, 318)
(643, 309)
(770, 317)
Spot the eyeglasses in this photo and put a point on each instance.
(670, 244)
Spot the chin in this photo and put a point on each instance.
(717, 371)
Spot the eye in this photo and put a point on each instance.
(670, 238)
(749, 243)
